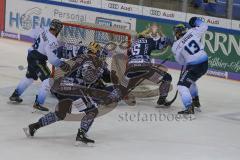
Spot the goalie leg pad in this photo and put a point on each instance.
(87, 120)
(156, 75)
(63, 107)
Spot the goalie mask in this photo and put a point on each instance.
(89, 72)
(179, 31)
(97, 50)
(94, 48)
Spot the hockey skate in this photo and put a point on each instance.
(196, 104)
(81, 137)
(188, 113)
(162, 103)
(130, 99)
(15, 97)
(37, 106)
(31, 129)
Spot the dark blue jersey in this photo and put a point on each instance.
(70, 51)
(104, 75)
(143, 47)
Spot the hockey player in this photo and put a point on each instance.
(79, 92)
(189, 52)
(41, 51)
(68, 51)
(93, 48)
(140, 66)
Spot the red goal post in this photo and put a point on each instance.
(115, 40)
(2, 14)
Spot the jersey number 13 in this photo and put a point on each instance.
(192, 47)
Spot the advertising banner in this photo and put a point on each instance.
(236, 25)
(89, 3)
(122, 7)
(25, 15)
(165, 14)
(221, 43)
(223, 49)
(212, 21)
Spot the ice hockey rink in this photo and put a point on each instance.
(125, 133)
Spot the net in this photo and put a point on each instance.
(115, 40)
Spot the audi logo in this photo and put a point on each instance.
(113, 6)
(155, 12)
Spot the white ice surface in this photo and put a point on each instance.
(214, 135)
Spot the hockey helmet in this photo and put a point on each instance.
(56, 25)
(179, 30)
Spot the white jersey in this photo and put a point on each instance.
(189, 50)
(45, 43)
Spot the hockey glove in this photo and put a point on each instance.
(65, 67)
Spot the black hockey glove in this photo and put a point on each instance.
(65, 67)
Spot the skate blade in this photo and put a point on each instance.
(198, 109)
(189, 117)
(26, 131)
(82, 144)
(162, 106)
(39, 111)
(13, 102)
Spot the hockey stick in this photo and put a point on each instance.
(176, 94)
